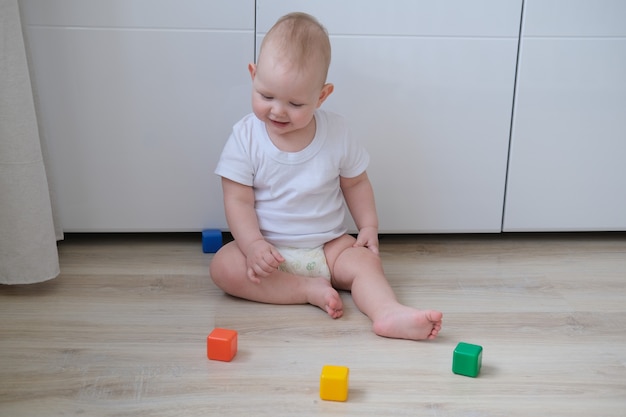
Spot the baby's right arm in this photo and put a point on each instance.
(261, 257)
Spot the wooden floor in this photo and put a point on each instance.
(122, 332)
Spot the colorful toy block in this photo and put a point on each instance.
(467, 359)
(221, 345)
(211, 240)
(334, 383)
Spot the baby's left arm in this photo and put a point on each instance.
(359, 197)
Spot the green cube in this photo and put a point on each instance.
(467, 359)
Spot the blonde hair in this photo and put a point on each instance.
(301, 39)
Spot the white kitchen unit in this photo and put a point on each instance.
(136, 99)
(567, 168)
(428, 88)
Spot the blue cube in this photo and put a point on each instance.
(211, 240)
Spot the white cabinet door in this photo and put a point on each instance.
(568, 150)
(428, 88)
(136, 99)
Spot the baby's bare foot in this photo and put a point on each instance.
(402, 322)
(320, 293)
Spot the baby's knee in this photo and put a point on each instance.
(367, 257)
(218, 269)
(367, 252)
(228, 268)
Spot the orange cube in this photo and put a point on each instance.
(221, 345)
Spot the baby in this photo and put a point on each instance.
(288, 170)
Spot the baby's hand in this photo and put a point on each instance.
(262, 259)
(368, 238)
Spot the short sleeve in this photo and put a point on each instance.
(356, 158)
(235, 163)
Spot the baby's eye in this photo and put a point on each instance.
(296, 104)
(265, 97)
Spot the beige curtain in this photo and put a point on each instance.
(28, 250)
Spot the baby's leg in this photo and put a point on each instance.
(228, 271)
(360, 271)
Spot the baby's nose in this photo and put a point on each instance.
(278, 109)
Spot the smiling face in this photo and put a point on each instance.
(285, 99)
(289, 79)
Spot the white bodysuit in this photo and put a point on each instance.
(298, 200)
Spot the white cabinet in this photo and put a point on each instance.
(428, 88)
(568, 148)
(136, 99)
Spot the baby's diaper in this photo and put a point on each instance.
(309, 262)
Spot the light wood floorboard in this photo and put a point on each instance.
(123, 332)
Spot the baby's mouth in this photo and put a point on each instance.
(280, 124)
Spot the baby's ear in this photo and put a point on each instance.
(327, 90)
(252, 70)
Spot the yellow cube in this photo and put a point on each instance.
(334, 383)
